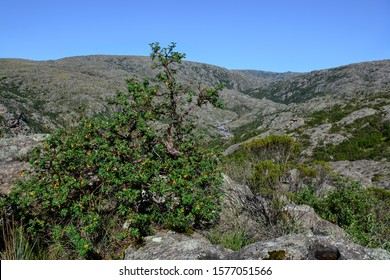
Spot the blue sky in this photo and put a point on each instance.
(273, 35)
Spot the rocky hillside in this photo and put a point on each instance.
(38, 96)
(326, 110)
(345, 82)
(339, 117)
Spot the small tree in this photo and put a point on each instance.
(141, 165)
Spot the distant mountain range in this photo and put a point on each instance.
(39, 96)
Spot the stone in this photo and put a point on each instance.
(362, 113)
(12, 151)
(311, 222)
(368, 172)
(241, 209)
(309, 247)
(168, 245)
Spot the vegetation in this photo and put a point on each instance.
(113, 178)
(260, 164)
(235, 239)
(369, 139)
(139, 166)
(363, 213)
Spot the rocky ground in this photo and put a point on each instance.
(12, 154)
(318, 240)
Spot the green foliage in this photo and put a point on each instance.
(233, 240)
(363, 213)
(16, 244)
(142, 164)
(240, 164)
(307, 171)
(370, 140)
(265, 176)
(330, 115)
(260, 165)
(276, 147)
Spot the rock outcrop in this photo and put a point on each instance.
(174, 246)
(306, 247)
(319, 240)
(12, 152)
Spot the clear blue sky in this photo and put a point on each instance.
(274, 35)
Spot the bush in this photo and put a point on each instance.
(260, 164)
(276, 147)
(363, 213)
(142, 165)
(265, 177)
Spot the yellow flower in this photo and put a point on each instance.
(32, 193)
(86, 245)
(185, 175)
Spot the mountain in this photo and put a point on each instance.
(338, 120)
(345, 82)
(39, 96)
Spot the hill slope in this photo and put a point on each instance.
(345, 82)
(38, 96)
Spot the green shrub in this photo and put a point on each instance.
(240, 164)
(266, 176)
(369, 139)
(277, 147)
(142, 164)
(363, 213)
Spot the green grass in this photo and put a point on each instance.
(234, 239)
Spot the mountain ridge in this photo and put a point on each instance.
(39, 96)
(336, 120)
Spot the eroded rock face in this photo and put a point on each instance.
(12, 151)
(175, 246)
(312, 223)
(168, 245)
(304, 247)
(362, 113)
(320, 240)
(241, 209)
(367, 172)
